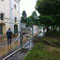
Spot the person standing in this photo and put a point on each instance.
(9, 36)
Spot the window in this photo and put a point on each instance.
(2, 16)
(15, 19)
(15, 6)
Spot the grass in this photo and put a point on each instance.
(44, 52)
(51, 38)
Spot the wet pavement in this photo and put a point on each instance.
(20, 55)
(6, 49)
(41, 34)
(4, 40)
(3, 43)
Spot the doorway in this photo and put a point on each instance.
(15, 28)
(1, 29)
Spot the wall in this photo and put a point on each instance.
(4, 8)
(35, 30)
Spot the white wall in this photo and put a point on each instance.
(4, 8)
(15, 12)
(35, 30)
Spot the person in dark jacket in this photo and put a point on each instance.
(9, 36)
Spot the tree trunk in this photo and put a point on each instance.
(47, 29)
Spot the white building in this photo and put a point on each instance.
(9, 16)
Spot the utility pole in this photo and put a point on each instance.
(10, 10)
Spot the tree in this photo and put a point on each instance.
(35, 18)
(49, 11)
(29, 21)
(24, 17)
(46, 21)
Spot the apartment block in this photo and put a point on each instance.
(9, 16)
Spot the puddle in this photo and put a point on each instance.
(30, 45)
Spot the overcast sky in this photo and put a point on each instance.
(28, 6)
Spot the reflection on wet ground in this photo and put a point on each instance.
(19, 55)
(3, 39)
(5, 49)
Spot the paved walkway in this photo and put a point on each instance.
(5, 49)
(20, 55)
(3, 43)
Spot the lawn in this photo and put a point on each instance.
(51, 38)
(43, 52)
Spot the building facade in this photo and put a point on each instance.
(9, 16)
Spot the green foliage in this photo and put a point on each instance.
(46, 20)
(29, 21)
(33, 19)
(24, 17)
(48, 7)
(49, 12)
